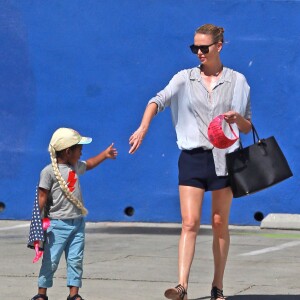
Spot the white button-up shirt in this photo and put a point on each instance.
(193, 107)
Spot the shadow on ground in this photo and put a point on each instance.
(142, 230)
(155, 230)
(257, 297)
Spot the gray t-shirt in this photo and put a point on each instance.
(58, 205)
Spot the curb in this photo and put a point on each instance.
(281, 221)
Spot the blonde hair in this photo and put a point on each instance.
(216, 32)
(63, 184)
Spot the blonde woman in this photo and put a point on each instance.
(195, 97)
(60, 198)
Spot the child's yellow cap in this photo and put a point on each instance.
(64, 138)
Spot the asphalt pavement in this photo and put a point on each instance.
(139, 261)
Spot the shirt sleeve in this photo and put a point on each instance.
(248, 112)
(241, 97)
(46, 179)
(80, 167)
(164, 97)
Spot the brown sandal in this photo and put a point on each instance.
(176, 293)
(40, 296)
(75, 297)
(216, 294)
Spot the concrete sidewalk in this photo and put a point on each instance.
(139, 261)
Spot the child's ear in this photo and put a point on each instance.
(68, 151)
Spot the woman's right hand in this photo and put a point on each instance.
(136, 139)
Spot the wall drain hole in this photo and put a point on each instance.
(129, 211)
(2, 207)
(258, 216)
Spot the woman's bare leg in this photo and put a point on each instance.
(221, 203)
(190, 204)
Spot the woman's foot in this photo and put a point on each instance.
(216, 294)
(75, 297)
(40, 297)
(176, 293)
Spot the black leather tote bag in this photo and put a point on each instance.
(257, 166)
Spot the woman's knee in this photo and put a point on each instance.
(190, 225)
(219, 223)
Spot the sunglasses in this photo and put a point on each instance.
(204, 48)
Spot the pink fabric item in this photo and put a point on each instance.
(216, 135)
(46, 223)
(38, 252)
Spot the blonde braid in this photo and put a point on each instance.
(63, 184)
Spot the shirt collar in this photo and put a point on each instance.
(226, 74)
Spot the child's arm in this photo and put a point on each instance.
(43, 196)
(93, 162)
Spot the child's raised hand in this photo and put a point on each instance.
(111, 152)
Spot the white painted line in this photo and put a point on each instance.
(271, 249)
(14, 227)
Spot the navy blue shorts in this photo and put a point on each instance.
(197, 169)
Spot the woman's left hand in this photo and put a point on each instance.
(231, 117)
(243, 124)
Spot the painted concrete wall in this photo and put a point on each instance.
(93, 65)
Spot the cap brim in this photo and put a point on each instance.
(85, 140)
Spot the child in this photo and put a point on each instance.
(59, 198)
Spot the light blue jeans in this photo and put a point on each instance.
(63, 236)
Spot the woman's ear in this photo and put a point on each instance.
(219, 46)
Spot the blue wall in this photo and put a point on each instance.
(93, 65)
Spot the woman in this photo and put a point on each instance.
(196, 96)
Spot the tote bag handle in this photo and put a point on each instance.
(256, 138)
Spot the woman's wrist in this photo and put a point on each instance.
(143, 128)
(243, 124)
